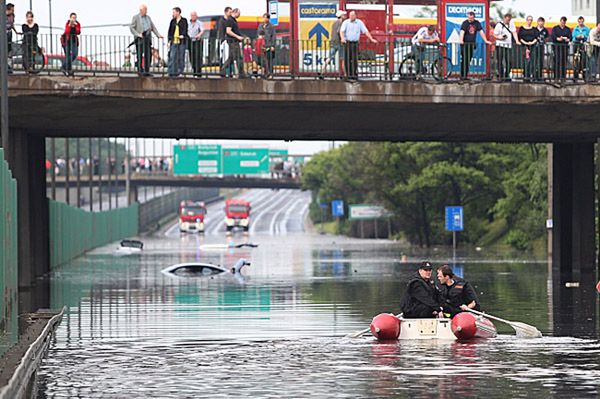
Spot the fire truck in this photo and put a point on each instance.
(191, 216)
(237, 214)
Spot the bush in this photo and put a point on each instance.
(518, 240)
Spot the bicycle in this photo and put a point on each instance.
(439, 66)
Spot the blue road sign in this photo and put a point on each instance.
(274, 12)
(319, 31)
(337, 208)
(454, 218)
(324, 205)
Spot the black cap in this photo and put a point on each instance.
(426, 266)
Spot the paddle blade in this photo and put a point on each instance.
(359, 333)
(525, 330)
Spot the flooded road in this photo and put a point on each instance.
(132, 331)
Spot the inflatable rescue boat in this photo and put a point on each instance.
(463, 326)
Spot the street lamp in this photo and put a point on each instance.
(50, 18)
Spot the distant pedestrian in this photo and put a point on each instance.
(249, 62)
(350, 32)
(70, 43)
(142, 28)
(504, 33)
(469, 30)
(335, 44)
(195, 43)
(30, 42)
(10, 28)
(234, 39)
(266, 32)
(222, 46)
(157, 60)
(561, 37)
(178, 37)
(580, 34)
(595, 51)
(528, 37)
(540, 49)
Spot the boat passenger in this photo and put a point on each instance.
(420, 300)
(456, 294)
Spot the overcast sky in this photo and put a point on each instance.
(104, 12)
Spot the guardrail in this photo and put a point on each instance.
(389, 61)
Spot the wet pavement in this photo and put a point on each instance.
(132, 331)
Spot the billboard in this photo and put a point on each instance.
(314, 32)
(456, 14)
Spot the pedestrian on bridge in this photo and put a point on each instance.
(195, 44)
(350, 33)
(335, 43)
(178, 38)
(234, 39)
(142, 28)
(561, 38)
(70, 43)
(266, 55)
(469, 30)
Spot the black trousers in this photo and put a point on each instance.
(143, 49)
(504, 62)
(235, 55)
(195, 49)
(467, 51)
(351, 60)
(561, 54)
(420, 311)
(580, 60)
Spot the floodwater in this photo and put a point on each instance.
(279, 332)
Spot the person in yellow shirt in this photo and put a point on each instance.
(178, 37)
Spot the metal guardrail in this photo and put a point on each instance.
(388, 61)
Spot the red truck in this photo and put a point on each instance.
(191, 216)
(237, 214)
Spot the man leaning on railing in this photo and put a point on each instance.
(469, 30)
(581, 34)
(142, 27)
(595, 51)
(424, 37)
(504, 33)
(561, 37)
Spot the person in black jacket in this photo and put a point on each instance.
(178, 37)
(420, 300)
(456, 294)
(561, 38)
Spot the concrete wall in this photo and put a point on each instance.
(156, 209)
(9, 260)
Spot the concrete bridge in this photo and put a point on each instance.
(567, 116)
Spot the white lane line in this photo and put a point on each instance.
(276, 201)
(286, 218)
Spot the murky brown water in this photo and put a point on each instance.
(132, 331)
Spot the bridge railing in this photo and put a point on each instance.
(388, 61)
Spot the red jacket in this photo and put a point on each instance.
(66, 36)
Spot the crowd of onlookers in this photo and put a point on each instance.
(577, 49)
(140, 165)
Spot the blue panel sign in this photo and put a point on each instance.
(454, 218)
(337, 208)
(274, 12)
(317, 10)
(456, 14)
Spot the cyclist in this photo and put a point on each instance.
(424, 37)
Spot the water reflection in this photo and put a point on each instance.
(132, 329)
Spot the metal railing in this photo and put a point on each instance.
(396, 60)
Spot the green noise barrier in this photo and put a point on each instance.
(9, 260)
(74, 231)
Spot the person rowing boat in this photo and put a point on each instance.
(455, 294)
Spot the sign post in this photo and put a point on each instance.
(337, 211)
(454, 223)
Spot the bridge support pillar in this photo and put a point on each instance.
(132, 194)
(573, 238)
(27, 158)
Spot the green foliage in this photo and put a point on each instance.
(502, 187)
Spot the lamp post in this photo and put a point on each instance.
(3, 78)
(50, 24)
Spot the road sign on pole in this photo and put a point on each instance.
(454, 218)
(274, 12)
(337, 208)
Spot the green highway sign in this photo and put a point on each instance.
(245, 161)
(204, 159)
(278, 155)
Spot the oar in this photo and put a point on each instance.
(366, 330)
(523, 330)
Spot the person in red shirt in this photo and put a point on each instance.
(70, 43)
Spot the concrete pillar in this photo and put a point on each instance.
(26, 157)
(132, 196)
(573, 238)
